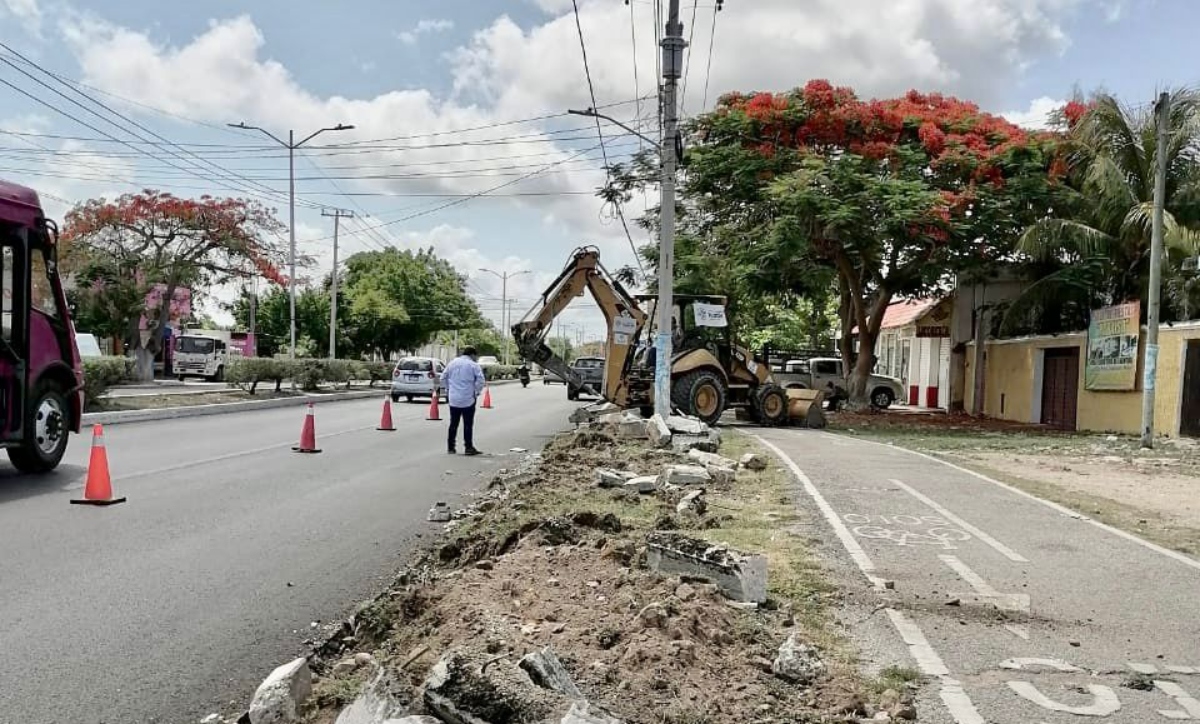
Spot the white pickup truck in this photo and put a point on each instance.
(826, 373)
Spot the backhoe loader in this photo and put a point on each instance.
(709, 373)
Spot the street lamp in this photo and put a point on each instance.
(291, 146)
(504, 303)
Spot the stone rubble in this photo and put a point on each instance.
(439, 513)
(753, 461)
(798, 662)
(686, 425)
(684, 475)
(609, 478)
(278, 698)
(740, 577)
(693, 501)
(642, 484)
(658, 432)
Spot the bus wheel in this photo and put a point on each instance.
(46, 431)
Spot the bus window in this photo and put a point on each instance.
(6, 306)
(42, 297)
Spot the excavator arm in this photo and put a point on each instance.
(625, 321)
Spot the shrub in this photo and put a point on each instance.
(379, 371)
(101, 373)
(247, 372)
(499, 372)
(309, 374)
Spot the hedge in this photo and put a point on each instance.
(101, 373)
(309, 374)
(500, 372)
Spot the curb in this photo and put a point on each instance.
(221, 408)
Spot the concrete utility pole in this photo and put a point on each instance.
(291, 146)
(338, 215)
(1162, 115)
(504, 325)
(672, 69)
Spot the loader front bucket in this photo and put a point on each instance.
(806, 408)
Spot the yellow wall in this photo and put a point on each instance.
(1011, 366)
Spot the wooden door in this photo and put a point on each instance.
(1060, 387)
(1189, 412)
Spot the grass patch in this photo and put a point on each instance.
(897, 678)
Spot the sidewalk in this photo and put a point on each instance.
(1016, 609)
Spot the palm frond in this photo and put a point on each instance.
(1049, 237)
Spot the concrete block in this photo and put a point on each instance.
(686, 425)
(684, 475)
(753, 461)
(692, 500)
(722, 475)
(278, 698)
(658, 432)
(798, 662)
(643, 484)
(609, 478)
(708, 442)
(708, 459)
(633, 429)
(739, 576)
(547, 671)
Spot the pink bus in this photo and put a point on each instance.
(41, 377)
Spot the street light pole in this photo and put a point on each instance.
(1162, 113)
(338, 215)
(291, 145)
(672, 66)
(504, 321)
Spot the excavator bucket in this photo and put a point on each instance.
(807, 408)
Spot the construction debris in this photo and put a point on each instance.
(708, 442)
(739, 576)
(692, 500)
(684, 475)
(707, 458)
(278, 698)
(547, 671)
(798, 662)
(753, 461)
(686, 425)
(608, 478)
(643, 484)
(439, 513)
(658, 431)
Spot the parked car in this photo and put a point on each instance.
(552, 377)
(488, 361)
(825, 373)
(418, 377)
(591, 370)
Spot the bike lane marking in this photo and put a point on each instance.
(958, 703)
(996, 545)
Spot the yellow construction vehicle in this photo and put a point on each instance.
(709, 373)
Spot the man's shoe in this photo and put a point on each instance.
(451, 451)
(472, 452)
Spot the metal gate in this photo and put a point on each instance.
(1189, 411)
(1060, 387)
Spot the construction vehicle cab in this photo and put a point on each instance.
(41, 376)
(709, 373)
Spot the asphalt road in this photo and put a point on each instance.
(1016, 611)
(172, 605)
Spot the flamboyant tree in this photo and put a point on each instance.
(817, 191)
(142, 247)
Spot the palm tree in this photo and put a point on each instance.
(1095, 250)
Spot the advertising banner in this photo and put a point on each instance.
(1112, 348)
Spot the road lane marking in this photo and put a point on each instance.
(1015, 602)
(958, 703)
(1146, 669)
(1021, 663)
(1074, 514)
(1191, 707)
(1104, 699)
(857, 554)
(999, 547)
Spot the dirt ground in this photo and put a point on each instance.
(549, 559)
(1108, 477)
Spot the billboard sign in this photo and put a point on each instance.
(1112, 349)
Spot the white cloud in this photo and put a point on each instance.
(1037, 116)
(424, 27)
(27, 12)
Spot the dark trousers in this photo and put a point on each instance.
(467, 415)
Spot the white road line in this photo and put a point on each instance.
(1191, 707)
(957, 702)
(1000, 548)
(857, 554)
(1173, 555)
(1015, 602)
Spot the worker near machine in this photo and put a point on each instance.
(464, 382)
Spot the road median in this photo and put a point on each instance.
(664, 589)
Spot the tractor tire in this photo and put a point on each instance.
(700, 394)
(46, 431)
(770, 404)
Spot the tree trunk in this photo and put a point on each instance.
(143, 364)
(869, 325)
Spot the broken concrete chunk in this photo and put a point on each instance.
(439, 513)
(686, 425)
(658, 432)
(722, 475)
(277, 700)
(684, 475)
(706, 459)
(739, 576)
(798, 662)
(418, 719)
(653, 616)
(375, 704)
(587, 413)
(753, 461)
(642, 484)
(633, 429)
(694, 501)
(609, 478)
(547, 671)
(709, 442)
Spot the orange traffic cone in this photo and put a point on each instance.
(487, 398)
(97, 490)
(308, 434)
(434, 412)
(385, 422)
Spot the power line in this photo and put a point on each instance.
(687, 67)
(712, 38)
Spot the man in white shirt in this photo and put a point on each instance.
(463, 380)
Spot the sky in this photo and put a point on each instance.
(461, 138)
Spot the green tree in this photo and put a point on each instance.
(1094, 250)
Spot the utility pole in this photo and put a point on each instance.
(1162, 115)
(504, 304)
(672, 69)
(291, 146)
(338, 215)
(254, 312)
